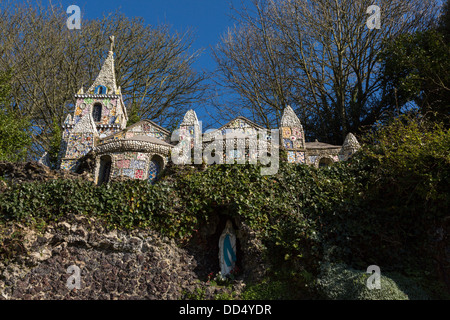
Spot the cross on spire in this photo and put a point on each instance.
(111, 41)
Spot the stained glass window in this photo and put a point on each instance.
(100, 90)
(153, 171)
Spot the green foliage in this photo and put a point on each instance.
(225, 296)
(412, 156)
(269, 289)
(134, 116)
(130, 204)
(14, 137)
(416, 68)
(444, 21)
(55, 143)
(198, 294)
(404, 196)
(340, 282)
(14, 130)
(399, 202)
(5, 88)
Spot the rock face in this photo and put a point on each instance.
(136, 264)
(33, 171)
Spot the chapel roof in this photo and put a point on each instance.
(320, 145)
(147, 121)
(251, 123)
(289, 118)
(148, 139)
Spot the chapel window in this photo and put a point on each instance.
(97, 112)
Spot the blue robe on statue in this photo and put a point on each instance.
(227, 250)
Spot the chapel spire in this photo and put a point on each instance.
(105, 83)
(292, 136)
(289, 118)
(349, 147)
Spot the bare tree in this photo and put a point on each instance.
(318, 56)
(51, 63)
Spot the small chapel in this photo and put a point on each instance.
(98, 128)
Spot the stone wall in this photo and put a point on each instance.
(115, 264)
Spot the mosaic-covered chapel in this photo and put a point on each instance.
(98, 127)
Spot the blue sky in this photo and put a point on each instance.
(208, 18)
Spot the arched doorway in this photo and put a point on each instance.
(325, 162)
(104, 171)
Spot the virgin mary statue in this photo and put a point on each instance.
(227, 249)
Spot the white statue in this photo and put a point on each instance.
(227, 249)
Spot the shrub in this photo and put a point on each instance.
(340, 282)
(397, 200)
(268, 289)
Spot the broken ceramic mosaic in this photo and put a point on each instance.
(98, 128)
